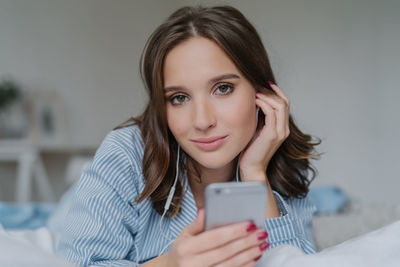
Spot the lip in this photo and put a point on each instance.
(210, 143)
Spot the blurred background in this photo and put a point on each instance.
(69, 74)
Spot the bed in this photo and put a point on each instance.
(346, 232)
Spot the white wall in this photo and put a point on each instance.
(87, 50)
(338, 61)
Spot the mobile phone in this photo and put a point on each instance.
(233, 202)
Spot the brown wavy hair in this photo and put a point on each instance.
(288, 169)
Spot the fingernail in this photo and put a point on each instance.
(263, 246)
(262, 235)
(271, 83)
(251, 227)
(256, 259)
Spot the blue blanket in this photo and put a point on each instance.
(25, 216)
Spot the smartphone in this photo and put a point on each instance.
(233, 202)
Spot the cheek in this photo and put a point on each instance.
(241, 112)
(176, 123)
(241, 118)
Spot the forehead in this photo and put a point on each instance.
(195, 60)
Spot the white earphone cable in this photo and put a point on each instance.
(166, 207)
(169, 199)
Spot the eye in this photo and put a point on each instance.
(224, 89)
(178, 99)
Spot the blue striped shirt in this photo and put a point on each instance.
(106, 227)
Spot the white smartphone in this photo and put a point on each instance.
(233, 202)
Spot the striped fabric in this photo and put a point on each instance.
(106, 227)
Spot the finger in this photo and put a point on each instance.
(276, 101)
(247, 257)
(262, 247)
(219, 236)
(256, 250)
(250, 264)
(282, 114)
(270, 117)
(279, 91)
(237, 252)
(197, 226)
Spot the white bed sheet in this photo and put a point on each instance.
(29, 248)
(377, 248)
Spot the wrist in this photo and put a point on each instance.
(253, 176)
(167, 259)
(163, 260)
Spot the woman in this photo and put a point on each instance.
(207, 74)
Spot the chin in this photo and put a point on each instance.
(215, 160)
(212, 164)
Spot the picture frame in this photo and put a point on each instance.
(48, 118)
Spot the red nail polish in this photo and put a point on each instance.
(251, 227)
(262, 235)
(271, 83)
(256, 259)
(263, 246)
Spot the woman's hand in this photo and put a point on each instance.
(238, 244)
(255, 159)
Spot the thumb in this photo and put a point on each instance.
(197, 226)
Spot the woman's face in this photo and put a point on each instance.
(210, 105)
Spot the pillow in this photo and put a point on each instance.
(328, 199)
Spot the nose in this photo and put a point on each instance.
(204, 115)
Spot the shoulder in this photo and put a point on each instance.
(127, 138)
(126, 141)
(118, 162)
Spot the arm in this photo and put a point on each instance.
(286, 223)
(100, 224)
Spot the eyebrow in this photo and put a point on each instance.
(211, 81)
